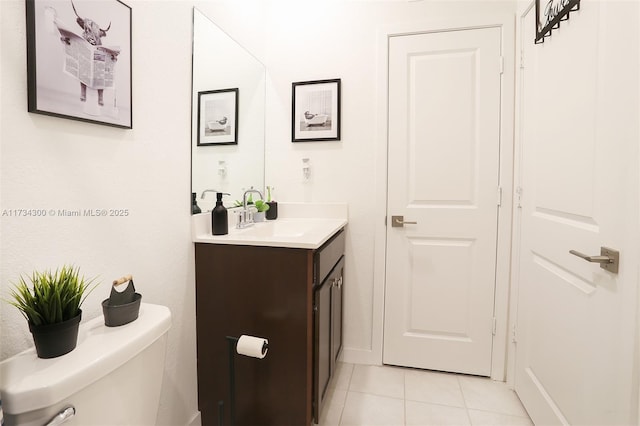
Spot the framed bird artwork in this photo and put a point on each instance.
(218, 117)
(316, 111)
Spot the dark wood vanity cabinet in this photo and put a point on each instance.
(292, 297)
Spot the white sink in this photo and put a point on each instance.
(293, 232)
(284, 228)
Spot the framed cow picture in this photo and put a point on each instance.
(79, 60)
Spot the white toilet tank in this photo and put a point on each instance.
(113, 376)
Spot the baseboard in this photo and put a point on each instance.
(196, 420)
(360, 356)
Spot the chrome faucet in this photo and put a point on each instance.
(205, 191)
(245, 216)
(249, 191)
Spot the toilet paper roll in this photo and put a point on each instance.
(255, 347)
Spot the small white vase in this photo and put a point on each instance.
(259, 216)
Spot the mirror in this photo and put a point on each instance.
(221, 64)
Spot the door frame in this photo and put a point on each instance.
(521, 15)
(506, 23)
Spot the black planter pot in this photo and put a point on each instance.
(53, 340)
(272, 213)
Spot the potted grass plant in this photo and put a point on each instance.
(50, 302)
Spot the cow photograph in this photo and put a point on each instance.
(79, 60)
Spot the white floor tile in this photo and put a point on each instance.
(436, 388)
(486, 418)
(488, 395)
(342, 376)
(365, 395)
(333, 406)
(363, 409)
(423, 414)
(384, 381)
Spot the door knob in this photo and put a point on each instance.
(399, 222)
(609, 259)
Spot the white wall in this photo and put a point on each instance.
(53, 163)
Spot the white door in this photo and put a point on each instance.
(443, 165)
(576, 350)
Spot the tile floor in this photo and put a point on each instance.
(364, 395)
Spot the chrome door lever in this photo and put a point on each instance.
(609, 259)
(399, 222)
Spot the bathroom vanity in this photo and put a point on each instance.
(282, 281)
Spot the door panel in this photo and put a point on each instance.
(444, 118)
(336, 314)
(322, 344)
(575, 327)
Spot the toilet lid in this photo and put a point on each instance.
(29, 383)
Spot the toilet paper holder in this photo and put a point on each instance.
(251, 346)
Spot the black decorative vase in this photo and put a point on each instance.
(272, 213)
(53, 340)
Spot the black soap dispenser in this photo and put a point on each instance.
(195, 208)
(219, 218)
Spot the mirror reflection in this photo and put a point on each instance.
(221, 64)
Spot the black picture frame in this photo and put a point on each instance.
(79, 60)
(218, 117)
(549, 16)
(315, 110)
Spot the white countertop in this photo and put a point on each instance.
(299, 225)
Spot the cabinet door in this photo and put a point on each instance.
(336, 312)
(322, 344)
(276, 390)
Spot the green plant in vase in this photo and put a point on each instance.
(261, 206)
(51, 301)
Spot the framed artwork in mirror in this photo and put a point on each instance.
(218, 117)
(316, 111)
(79, 60)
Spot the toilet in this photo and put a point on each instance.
(112, 377)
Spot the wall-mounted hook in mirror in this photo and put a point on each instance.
(306, 169)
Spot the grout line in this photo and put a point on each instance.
(353, 367)
(404, 393)
(346, 396)
(374, 394)
(502, 414)
(464, 400)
